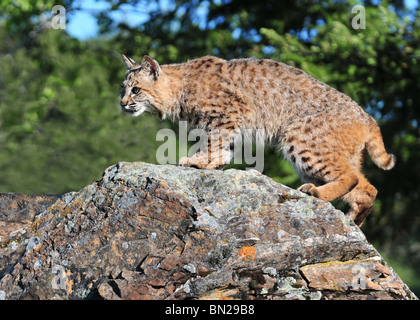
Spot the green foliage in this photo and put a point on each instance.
(60, 124)
(60, 120)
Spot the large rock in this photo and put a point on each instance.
(165, 232)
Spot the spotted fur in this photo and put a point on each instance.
(322, 132)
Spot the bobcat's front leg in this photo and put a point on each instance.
(214, 155)
(200, 161)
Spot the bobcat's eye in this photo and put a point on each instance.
(135, 90)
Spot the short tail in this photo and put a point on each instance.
(376, 148)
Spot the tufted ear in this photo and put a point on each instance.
(130, 64)
(151, 66)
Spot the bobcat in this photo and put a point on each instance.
(322, 132)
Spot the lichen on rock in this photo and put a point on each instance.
(162, 232)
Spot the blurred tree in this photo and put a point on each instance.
(60, 123)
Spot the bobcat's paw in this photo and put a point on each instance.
(310, 189)
(184, 162)
(190, 162)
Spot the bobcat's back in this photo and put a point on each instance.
(266, 94)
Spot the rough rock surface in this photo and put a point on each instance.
(17, 213)
(165, 232)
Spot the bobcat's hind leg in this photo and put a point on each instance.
(336, 184)
(361, 200)
(353, 188)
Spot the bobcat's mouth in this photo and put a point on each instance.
(134, 110)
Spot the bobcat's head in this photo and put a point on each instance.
(140, 89)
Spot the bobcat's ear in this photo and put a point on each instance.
(151, 66)
(130, 64)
